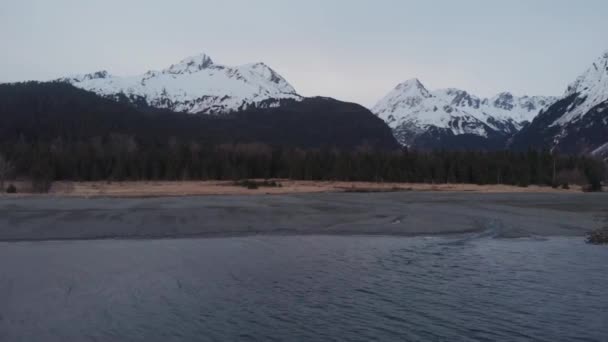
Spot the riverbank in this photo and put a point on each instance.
(203, 188)
(384, 213)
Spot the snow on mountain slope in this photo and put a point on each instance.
(411, 110)
(591, 89)
(578, 121)
(195, 85)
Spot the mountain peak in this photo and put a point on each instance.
(191, 64)
(578, 122)
(590, 89)
(504, 95)
(98, 75)
(412, 87)
(269, 74)
(504, 100)
(195, 85)
(594, 77)
(412, 111)
(412, 82)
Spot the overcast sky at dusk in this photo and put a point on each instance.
(348, 49)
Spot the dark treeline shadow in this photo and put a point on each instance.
(119, 157)
(54, 131)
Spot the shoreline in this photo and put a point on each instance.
(153, 189)
(500, 215)
(236, 235)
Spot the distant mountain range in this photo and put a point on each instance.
(574, 123)
(252, 102)
(453, 118)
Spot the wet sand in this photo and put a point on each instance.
(389, 213)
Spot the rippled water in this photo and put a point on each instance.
(304, 288)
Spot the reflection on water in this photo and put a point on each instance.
(304, 288)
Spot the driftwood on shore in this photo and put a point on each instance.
(598, 237)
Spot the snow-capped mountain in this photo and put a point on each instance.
(46, 111)
(194, 85)
(591, 89)
(578, 121)
(423, 118)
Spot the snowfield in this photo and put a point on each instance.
(410, 106)
(195, 85)
(591, 89)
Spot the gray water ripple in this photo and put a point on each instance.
(476, 288)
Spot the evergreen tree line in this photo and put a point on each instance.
(121, 157)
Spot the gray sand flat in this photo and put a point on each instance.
(402, 213)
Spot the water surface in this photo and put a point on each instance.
(323, 288)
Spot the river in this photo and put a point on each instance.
(322, 288)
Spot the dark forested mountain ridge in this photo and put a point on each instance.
(45, 111)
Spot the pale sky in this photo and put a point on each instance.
(353, 50)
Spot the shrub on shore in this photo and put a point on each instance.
(252, 184)
(12, 189)
(593, 188)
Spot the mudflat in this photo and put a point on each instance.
(507, 215)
